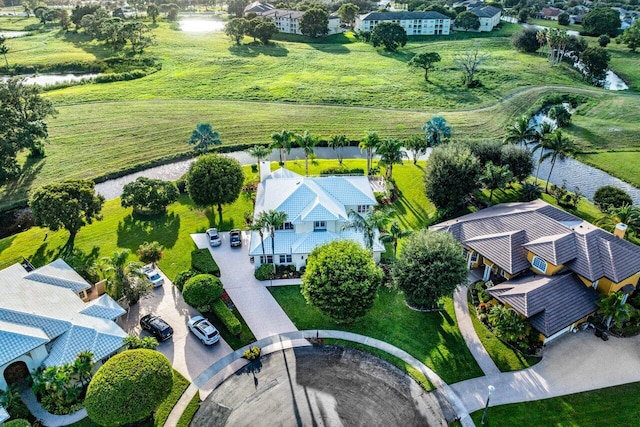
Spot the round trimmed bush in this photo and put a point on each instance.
(129, 387)
(609, 197)
(202, 291)
(17, 423)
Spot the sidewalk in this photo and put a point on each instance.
(47, 419)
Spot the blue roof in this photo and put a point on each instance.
(17, 340)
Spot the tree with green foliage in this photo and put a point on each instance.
(451, 175)
(434, 7)
(614, 309)
(314, 22)
(596, 63)
(495, 177)
(390, 35)
(214, 180)
(523, 16)
(4, 49)
(236, 7)
(272, 220)
(557, 146)
(604, 40)
(393, 236)
(368, 144)
(153, 12)
(417, 144)
(526, 40)
(132, 342)
(124, 277)
(137, 32)
(81, 11)
(430, 266)
(202, 291)
(129, 387)
(265, 30)
(235, 29)
(390, 152)
(521, 132)
(425, 61)
(437, 131)
(626, 214)
(609, 197)
(11, 401)
(564, 19)
(65, 22)
(347, 13)
(560, 114)
(338, 142)
(467, 21)
(150, 253)
(203, 137)
(518, 160)
(487, 151)
(368, 224)
(148, 196)
(307, 142)
(601, 21)
(283, 142)
(507, 324)
(342, 280)
(259, 224)
(172, 12)
(69, 204)
(259, 152)
(631, 36)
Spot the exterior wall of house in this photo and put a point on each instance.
(551, 268)
(32, 359)
(606, 286)
(413, 27)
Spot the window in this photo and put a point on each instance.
(269, 259)
(363, 208)
(286, 226)
(539, 264)
(285, 259)
(319, 225)
(595, 284)
(474, 257)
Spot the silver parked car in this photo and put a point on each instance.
(214, 237)
(154, 277)
(205, 331)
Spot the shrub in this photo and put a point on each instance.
(202, 262)
(182, 278)
(609, 197)
(529, 192)
(226, 316)
(264, 272)
(526, 40)
(252, 354)
(17, 423)
(604, 40)
(202, 291)
(129, 387)
(181, 184)
(342, 171)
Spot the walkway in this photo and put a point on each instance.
(219, 371)
(47, 419)
(263, 314)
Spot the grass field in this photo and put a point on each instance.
(612, 406)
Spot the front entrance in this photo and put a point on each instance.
(16, 372)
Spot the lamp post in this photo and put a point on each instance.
(484, 414)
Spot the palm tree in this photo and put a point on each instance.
(394, 234)
(495, 177)
(390, 151)
(521, 132)
(545, 130)
(259, 224)
(259, 152)
(614, 308)
(369, 143)
(338, 142)
(82, 366)
(626, 214)
(368, 223)
(4, 49)
(272, 220)
(307, 142)
(282, 141)
(541, 37)
(123, 276)
(204, 136)
(437, 130)
(557, 146)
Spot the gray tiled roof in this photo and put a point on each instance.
(401, 16)
(258, 6)
(485, 12)
(550, 303)
(557, 249)
(282, 13)
(505, 249)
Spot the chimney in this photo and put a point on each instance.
(265, 169)
(620, 230)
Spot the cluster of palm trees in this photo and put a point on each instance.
(376, 220)
(548, 140)
(268, 221)
(626, 214)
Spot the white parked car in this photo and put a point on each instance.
(154, 277)
(205, 331)
(214, 237)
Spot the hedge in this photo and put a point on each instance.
(129, 387)
(202, 291)
(182, 278)
(227, 317)
(202, 262)
(342, 171)
(17, 423)
(264, 272)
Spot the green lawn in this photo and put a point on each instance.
(612, 406)
(433, 338)
(189, 411)
(554, 24)
(622, 164)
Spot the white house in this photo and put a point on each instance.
(317, 208)
(44, 321)
(288, 21)
(414, 23)
(489, 17)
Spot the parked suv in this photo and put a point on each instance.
(214, 237)
(235, 236)
(157, 327)
(154, 277)
(205, 331)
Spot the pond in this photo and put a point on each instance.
(52, 79)
(13, 34)
(201, 25)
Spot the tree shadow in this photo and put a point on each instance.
(254, 49)
(19, 188)
(399, 55)
(218, 221)
(134, 230)
(82, 41)
(338, 49)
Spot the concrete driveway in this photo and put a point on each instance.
(187, 354)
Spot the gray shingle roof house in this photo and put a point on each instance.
(415, 23)
(43, 320)
(489, 16)
(570, 257)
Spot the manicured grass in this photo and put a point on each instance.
(189, 412)
(554, 24)
(180, 384)
(505, 358)
(622, 164)
(612, 406)
(415, 374)
(235, 342)
(433, 338)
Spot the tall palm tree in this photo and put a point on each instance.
(542, 134)
(272, 220)
(437, 131)
(541, 37)
(307, 142)
(521, 132)
(557, 146)
(338, 142)
(259, 224)
(203, 137)
(626, 214)
(259, 152)
(394, 234)
(368, 223)
(390, 152)
(122, 275)
(282, 141)
(369, 143)
(614, 309)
